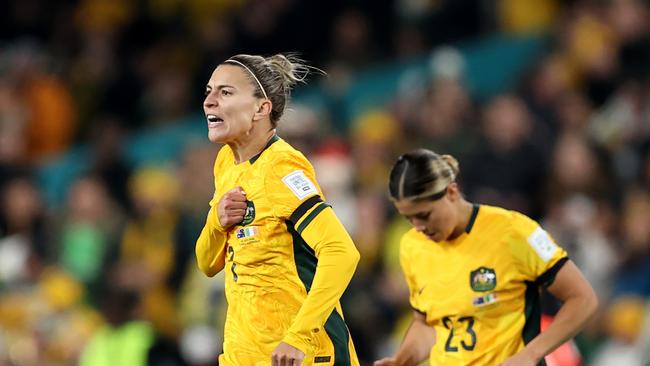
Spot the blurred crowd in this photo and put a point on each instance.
(109, 276)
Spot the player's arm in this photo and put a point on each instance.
(337, 261)
(415, 347)
(541, 260)
(579, 303)
(211, 245)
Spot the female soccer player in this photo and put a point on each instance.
(474, 273)
(287, 257)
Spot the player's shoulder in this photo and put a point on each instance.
(284, 158)
(493, 215)
(504, 220)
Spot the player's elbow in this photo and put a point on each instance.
(210, 253)
(352, 257)
(356, 256)
(585, 303)
(590, 303)
(207, 269)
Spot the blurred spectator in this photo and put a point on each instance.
(591, 47)
(166, 69)
(43, 322)
(626, 320)
(50, 115)
(24, 239)
(148, 245)
(108, 163)
(507, 168)
(629, 21)
(524, 17)
(572, 112)
(304, 126)
(332, 162)
(633, 277)
(549, 84)
(377, 139)
(125, 339)
(88, 234)
(350, 43)
(583, 226)
(13, 144)
(443, 122)
(644, 168)
(576, 168)
(198, 188)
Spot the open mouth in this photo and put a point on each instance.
(214, 120)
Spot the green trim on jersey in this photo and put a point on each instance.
(532, 308)
(303, 208)
(547, 278)
(304, 257)
(533, 314)
(273, 139)
(306, 262)
(312, 215)
(340, 337)
(472, 218)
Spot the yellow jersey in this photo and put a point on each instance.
(273, 289)
(481, 290)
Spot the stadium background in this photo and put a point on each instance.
(106, 171)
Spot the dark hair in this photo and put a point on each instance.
(422, 175)
(273, 77)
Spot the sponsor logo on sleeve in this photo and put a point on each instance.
(322, 359)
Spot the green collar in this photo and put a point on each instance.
(472, 218)
(272, 140)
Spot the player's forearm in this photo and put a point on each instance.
(572, 316)
(211, 247)
(417, 344)
(337, 261)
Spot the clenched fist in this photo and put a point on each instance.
(232, 207)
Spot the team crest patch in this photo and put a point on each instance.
(483, 279)
(249, 215)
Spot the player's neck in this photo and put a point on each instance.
(465, 210)
(250, 145)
